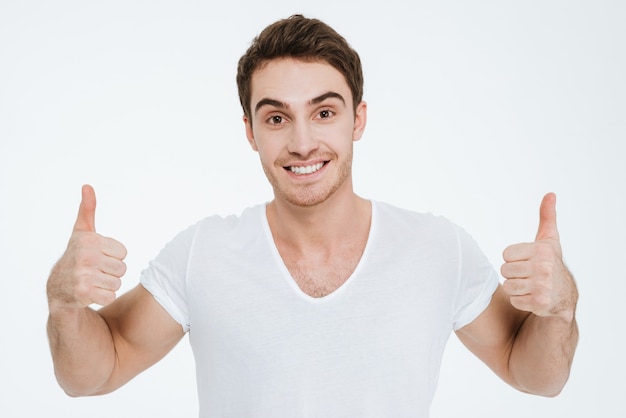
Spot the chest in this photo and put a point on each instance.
(319, 275)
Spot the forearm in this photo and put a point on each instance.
(82, 350)
(542, 354)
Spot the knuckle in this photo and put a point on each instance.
(82, 281)
(543, 250)
(544, 269)
(544, 301)
(533, 299)
(84, 239)
(82, 291)
(83, 275)
(85, 257)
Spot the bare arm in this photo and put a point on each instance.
(531, 353)
(95, 352)
(82, 350)
(528, 334)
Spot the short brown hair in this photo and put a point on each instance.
(303, 39)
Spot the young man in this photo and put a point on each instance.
(319, 303)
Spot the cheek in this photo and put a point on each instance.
(338, 131)
(268, 148)
(343, 136)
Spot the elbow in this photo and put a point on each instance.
(75, 391)
(81, 392)
(554, 390)
(542, 392)
(548, 388)
(78, 389)
(551, 392)
(73, 394)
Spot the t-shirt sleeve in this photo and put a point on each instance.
(478, 281)
(166, 276)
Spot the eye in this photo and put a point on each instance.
(275, 120)
(325, 114)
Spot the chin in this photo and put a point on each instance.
(307, 201)
(306, 197)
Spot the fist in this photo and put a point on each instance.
(537, 280)
(91, 267)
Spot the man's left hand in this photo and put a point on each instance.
(537, 280)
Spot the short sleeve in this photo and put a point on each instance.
(166, 276)
(478, 281)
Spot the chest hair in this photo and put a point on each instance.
(320, 275)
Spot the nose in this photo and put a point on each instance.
(303, 140)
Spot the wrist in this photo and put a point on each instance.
(61, 309)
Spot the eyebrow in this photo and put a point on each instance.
(269, 102)
(282, 105)
(328, 95)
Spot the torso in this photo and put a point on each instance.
(253, 336)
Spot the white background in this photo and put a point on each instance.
(476, 109)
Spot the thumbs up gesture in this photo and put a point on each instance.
(91, 267)
(537, 280)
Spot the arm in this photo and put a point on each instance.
(528, 334)
(96, 352)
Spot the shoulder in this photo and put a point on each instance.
(217, 228)
(436, 231)
(414, 232)
(223, 223)
(217, 231)
(388, 215)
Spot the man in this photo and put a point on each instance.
(319, 303)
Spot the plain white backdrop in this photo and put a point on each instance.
(476, 109)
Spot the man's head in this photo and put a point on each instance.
(304, 39)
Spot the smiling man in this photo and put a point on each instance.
(319, 303)
(304, 129)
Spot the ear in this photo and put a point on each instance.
(360, 120)
(250, 133)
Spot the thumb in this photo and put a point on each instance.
(547, 218)
(86, 219)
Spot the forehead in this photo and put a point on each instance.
(291, 80)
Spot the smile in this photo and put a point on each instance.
(309, 169)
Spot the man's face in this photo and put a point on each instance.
(303, 127)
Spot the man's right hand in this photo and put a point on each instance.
(91, 267)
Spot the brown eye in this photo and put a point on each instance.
(325, 114)
(276, 120)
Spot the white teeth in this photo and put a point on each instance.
(306, 170)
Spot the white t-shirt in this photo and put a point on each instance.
(372, 348)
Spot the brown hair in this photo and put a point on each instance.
(303, 39)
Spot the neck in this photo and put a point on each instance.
(324, 226)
